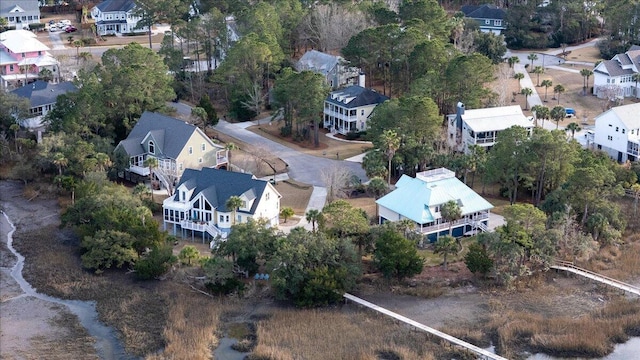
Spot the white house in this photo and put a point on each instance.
(614, 78)
(20, 13)
(348, 110)
(617, 132)
(420, 200)
(42, 98)
(198, 205)
(482, 126)
(177, 145)
(333, 68)
(116, 17)
(489, 17)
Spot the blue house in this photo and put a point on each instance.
(420, 200)
(489, 17)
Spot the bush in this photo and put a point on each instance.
(225, 287)
(352, 135)
(156, 263)
(285, 131)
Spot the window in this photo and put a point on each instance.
(609, 137)
(623, 131)
(183, 195)
(498, 23)
(616, 129)
(362, 112)
(180, 166)
(203, 147)
(11, 68)
(152, 147)
(24, 55)
(199, 160)
(190, 150)
(610, 125)
(221, 218)
(12, 19)
(487, 22)
(266, 196)
(226, 218)
(239, 218)
(244, 205)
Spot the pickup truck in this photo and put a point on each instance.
(569, 112)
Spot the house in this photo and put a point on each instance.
(617, 132)
(489, 17)
(20, 13)
(348, 110)
(333, 68)
(116, 17)
(198, 206)
(482, 126)
(23, 57)
(420, 200)
(177, 145)
(42, 98)
(614, 78)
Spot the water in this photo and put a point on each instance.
(107, 344)
(627, 351)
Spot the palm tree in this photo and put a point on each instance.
(103, 161)
(85, 56)
(518, 76)
(538, 70)
(445, 245)
(151, 163)
(377, 187)
(77, 44)
(635, 188)
(542, 112)
(526, 92)
(558, 89)
(141, 190)
(636, 77)
(586, 73)
(70, 39)
(60, 161)
(532, 57)
(312, 216)
(513, 60)
(45, 74)
(286, 212)
(450, 211)
(391, 143)
(547, 84)
(573, 127)
(557, 114)
(233, 203)
(230, 146)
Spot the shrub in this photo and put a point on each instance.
(285, 131)
(156, 263)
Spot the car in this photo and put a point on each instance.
(65, 22)
(51, 22)
(70, 29)
(53, 28)
(569, 112)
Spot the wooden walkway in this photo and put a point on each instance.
(484, 354)
(568, 266)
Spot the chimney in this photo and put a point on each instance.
(361, 79)
(459, 113)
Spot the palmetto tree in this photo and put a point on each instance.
(103, 161)
(450, 211)
(77, 44)
(513, 60)
(60, 161)
(151, 163)
(85, 56)
(547, 84)
(445, 245)
(518, 76)
(557, 114)
(230, 146)
(558, 89)
(390, 143)
(573, 127)
(312, 216)
(526, 92)
(586, 73)
(636, 77)
(533, 57)
(538, 70)
(233, 203)
(543, 113)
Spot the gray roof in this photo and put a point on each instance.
(26, 5)
(317, 61)
(43, 93)
(158, 126)
(355, 96)
(486, 11)
(614, 67)
(116, 5)
(217, 186)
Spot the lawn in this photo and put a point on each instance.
(294, 195)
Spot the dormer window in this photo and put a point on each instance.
(183, 195)
(152, 147)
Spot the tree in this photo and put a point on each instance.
(538, 70)
(540, 112)
(201, 116)
(445, 245)
(233, 204)
(230, 146)
(151, 163)
(343, 220)
(450, 212)
(586, 73)
(103, 161)
(249, 244)
(60, 161)
(212, 116)
(477, 259)
(286, 212)
(188, 254)
(377, 187)
(490, 45)
(155, 263)
(108, 248)
(636, 78)
(557, 114)
(573, 127)
(312, 216)
(518, 76)
(337, 179)
(547, 84)
(505, 163)
(45, 75)
(330, 26)
(526, 92)
(390, 144)
(532, 57)
(396, 256)
(635, 189)
(77, 44)
(513, 60)
(558, 89)
(374, 164)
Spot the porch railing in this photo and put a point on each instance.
(140, 170)
(474, 222)
(203, 226)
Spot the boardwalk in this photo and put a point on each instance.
(484, 354)
(567, 266)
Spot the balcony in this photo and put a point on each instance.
(140, 170)
(209, 227)
(473, 222)
(337, 115)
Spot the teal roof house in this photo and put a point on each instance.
(420, 199)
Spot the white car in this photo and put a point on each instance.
(53, 28)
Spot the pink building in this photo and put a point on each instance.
(23, 57)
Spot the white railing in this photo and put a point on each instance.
(140, 170)
(203, 226)
(475, 222)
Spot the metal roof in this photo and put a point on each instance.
(317, 61)
(495, 118)
(21, 41)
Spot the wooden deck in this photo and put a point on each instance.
(568, 266)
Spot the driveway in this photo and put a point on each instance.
(56, 40)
